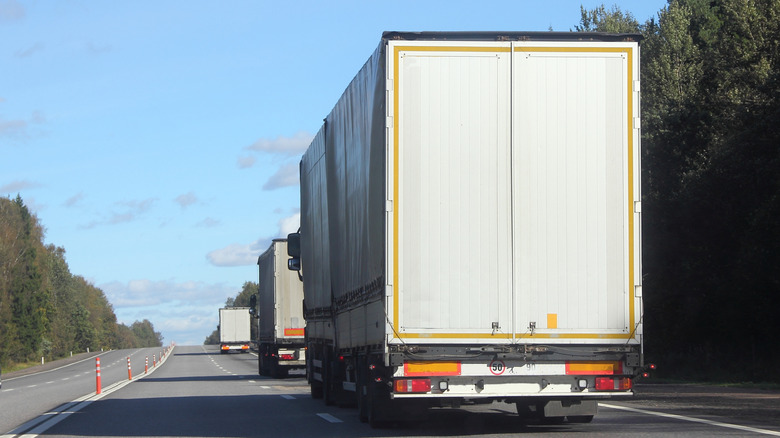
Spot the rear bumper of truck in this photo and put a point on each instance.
(241, 347)
(509, 379)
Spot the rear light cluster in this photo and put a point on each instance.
(245, 347)
(412, 385)
(287, 356)
(613, 383)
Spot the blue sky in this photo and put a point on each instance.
(158, 142)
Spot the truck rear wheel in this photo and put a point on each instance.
(377, 407)
(316, 390)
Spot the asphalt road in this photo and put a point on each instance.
(26, 395)
(198, 392)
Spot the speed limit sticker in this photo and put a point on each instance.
(497, 367)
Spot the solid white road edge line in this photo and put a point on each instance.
(49, 419)
(693, 419)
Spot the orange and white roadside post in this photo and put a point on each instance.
(129, 370)
(97, 375)
(154, 360)
(146, 365)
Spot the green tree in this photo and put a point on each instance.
(611, 20)
(144, 332)
(29, 300)
(711, 184)
(84, 331)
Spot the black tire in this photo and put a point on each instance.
(262, 358)
(279, 372)
(316, 390)
(328, 393)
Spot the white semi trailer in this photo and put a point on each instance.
(234, 331)
(471, 226)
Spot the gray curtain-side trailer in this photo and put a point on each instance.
(280, 322)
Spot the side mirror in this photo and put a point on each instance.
(253, 305)
(294, 245)
(294, 251)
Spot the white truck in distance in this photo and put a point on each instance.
(279, 309)
(470, 227)
(234, 331)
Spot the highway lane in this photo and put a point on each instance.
(201, 393)
(26, 397)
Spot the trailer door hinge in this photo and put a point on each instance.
(388, 205)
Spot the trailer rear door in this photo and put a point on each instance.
(512, 174)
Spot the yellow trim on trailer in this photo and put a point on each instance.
(515, 336)
(396, 56)
(628, 50)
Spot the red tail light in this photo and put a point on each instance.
(613, 383)
(287, 356)
(412, 385)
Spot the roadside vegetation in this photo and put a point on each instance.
(710, 185)
(45, 310)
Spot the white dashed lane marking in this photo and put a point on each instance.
(329, 418)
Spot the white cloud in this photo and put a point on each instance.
(73, 200)
(13, 128)
(237, 254)
(37, 47)
(135, 209)
(289, 224)
(144, 292)
(130, 212)
(184, 312)
(294, 145)
(17, 186)
(11, 10)
(186, 200)
(287, 176)
(96, 49)
(19, 129)
(208, 222)
(246, 162)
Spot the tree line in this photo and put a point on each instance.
(45, 310)
(710, 72)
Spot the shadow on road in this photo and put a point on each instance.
(271, 416)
